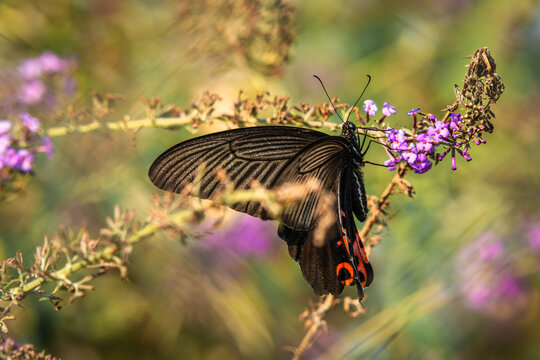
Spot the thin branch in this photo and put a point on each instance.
(316, 318)
(164, 122)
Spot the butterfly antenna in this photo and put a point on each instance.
(328, 96)
(357, 100)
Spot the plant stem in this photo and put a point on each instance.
(120, 125)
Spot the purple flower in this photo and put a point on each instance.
(46, 147)
(70, 86)
(413, 111)
(465, 154)
(423, 143)
(31, 92)
(392, 163)
(5, 142)
(508, 285)
(439, 132)
(25, 160)
(455, 119)
(533, 235)
(397, 139)
(50, 62)
(486, 276)
(477, 295)
(490, 250)
(421, 163)
(248, 236)
(10, 158)
(370, 107)
(409, 154)
(30, 122)
(30, 69)
(20, 159)
(391, 134)
(5, 126)
(388, 109)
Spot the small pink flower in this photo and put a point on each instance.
(370, 107)
(31, 92)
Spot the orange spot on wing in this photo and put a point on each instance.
(358, 249)
(362, 270)
(350, 272)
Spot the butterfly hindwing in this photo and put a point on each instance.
(327, 267)
(318, 263)
(352, 200)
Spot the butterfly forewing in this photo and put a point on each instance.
(320, 162)
(245, 155)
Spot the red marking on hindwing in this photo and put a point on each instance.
(362, 270)
(358, 249)
(350, 272)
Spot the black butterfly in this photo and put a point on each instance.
(280, 155)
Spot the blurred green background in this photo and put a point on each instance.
(471, 233)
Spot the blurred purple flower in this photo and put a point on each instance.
(508, 286)
(533, 235)
(388, 109)
(25, 160)
(490, 250)
(5, 142)
(50, 62)
(30, 69)
(487, 278)
(31, 92)
(248, 236)
(413, 111)
(46, 147)
(20, 159)
(370, 107)
(30, 122)
(5, 126)
(478, 296)
(10, 158)
(70, 86)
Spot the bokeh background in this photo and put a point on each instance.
(456, 277)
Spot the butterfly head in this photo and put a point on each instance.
(348, 130)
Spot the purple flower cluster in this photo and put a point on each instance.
(486, 275)
(416, 149)
(247, 236)
(533, 236)
(413, 151)
(18, 148)
(370, 108)
(36, 73)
